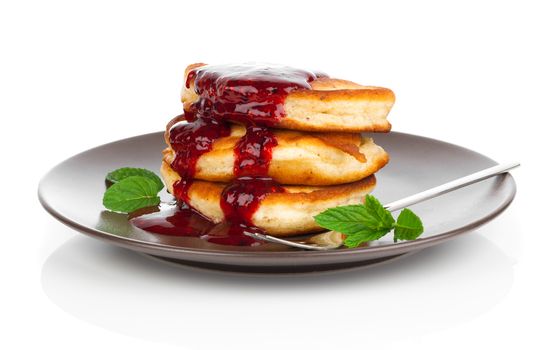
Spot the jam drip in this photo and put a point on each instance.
(192, 140)
(181, 189)
(253, 152)
(252, 94)
(174, 222)
(241, 199)
(185, 222)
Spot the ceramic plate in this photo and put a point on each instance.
(72, 192)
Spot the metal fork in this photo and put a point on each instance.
(332, 240)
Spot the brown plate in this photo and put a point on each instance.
(73, 190)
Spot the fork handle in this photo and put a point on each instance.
(450, 186)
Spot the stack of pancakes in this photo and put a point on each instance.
(321, 160)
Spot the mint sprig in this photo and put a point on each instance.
(132, 189)
(122, 173)
(369, 222)
(408, 226)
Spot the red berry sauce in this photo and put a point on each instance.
(181, 189)
(241, 199)
(250, 94)
(175, 221)
(253, 152)
(184, 222)
(191, 140)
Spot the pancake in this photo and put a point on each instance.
(332, 105)
(316, 159)
(279, 214)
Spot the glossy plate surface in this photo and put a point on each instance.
(73, 190)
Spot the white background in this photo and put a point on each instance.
(484, 75)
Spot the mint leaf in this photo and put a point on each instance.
(349, 219)
(408, 226)
(376, 209)
(123, 173)
(354, 240)
(131, 193)
(360, 223)
(368, 222)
